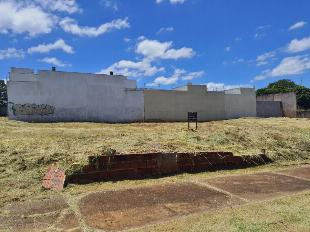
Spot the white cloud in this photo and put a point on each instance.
(70, 25)
(133, 69)
(263, 27)
(227, 49)
(261, 31)
(297, 25)
(11, 53)
(24, 18)
(68, 6)
(213, 86)
(238, 60)
(264, 75)
(291, 66)
(288, 66)
(141, 37)
(153, 49)
(54, 61)
(179, 74)
(192, 75)
(165, 29)
(127, 40)
(299, 45)
(265, 58)
(164, 81)
(167, 80)
(57, 45)
(259, 35)
(111, 4)
(171, 1)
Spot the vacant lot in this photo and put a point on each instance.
(26, 149)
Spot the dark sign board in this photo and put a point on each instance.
(192, 117)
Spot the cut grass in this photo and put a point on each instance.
(27, 149)
(284, 214)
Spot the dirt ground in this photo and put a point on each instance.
(144, 206)
(117, 210)
(260, 186)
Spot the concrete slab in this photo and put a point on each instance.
(125, 209)
(27, 223)
(260, 186)
(27, 208)
(36, 215)
(303, 172)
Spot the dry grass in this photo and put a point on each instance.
(26, 149)
(285, 214)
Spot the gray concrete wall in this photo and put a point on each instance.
(62, 96)
(288, 100)
(268, 109)
(161, 105)
(240, 102)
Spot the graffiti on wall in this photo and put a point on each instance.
(32, 109)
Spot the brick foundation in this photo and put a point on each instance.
(137, 166)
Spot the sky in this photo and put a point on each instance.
(161, 43)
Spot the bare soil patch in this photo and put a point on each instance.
(303, 172)
(125, 209)
(260, 186)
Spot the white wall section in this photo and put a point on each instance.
(73, 96)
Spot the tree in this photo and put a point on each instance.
(285, 86)
(3, 93)
(303, 97)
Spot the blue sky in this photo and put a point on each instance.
(161, 43)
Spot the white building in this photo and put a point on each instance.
(52, 96)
